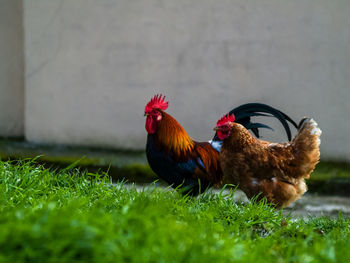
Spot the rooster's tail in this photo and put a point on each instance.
(244, 113)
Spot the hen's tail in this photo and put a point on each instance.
(306, 146)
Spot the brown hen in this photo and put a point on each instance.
(272, 170)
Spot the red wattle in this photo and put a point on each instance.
(222, 135)
(150, 125)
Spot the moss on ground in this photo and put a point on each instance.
(330, 178)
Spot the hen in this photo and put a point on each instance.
(272, 170)
(182, 162)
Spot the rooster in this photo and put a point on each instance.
(272, 170)
(187, 164)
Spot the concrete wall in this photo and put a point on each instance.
(11, 68)
(91, 66)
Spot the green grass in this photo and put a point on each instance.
(73, 216)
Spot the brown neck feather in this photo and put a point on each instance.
(172, 137)
(239, 137)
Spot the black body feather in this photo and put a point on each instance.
(178, 175)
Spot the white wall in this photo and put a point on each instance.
(91, 66)
(11, 68)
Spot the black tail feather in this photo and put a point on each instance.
(244, 113)
(302, 122)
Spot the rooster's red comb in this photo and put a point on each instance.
(224, 120)
(157, 102)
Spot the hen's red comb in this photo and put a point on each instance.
(157, 102)
(224, 120)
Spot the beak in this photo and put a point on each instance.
(146, 114)
(216, 128)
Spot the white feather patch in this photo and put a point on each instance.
(319, 141)
(255, 182)
(315, 129)
(216, 145)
